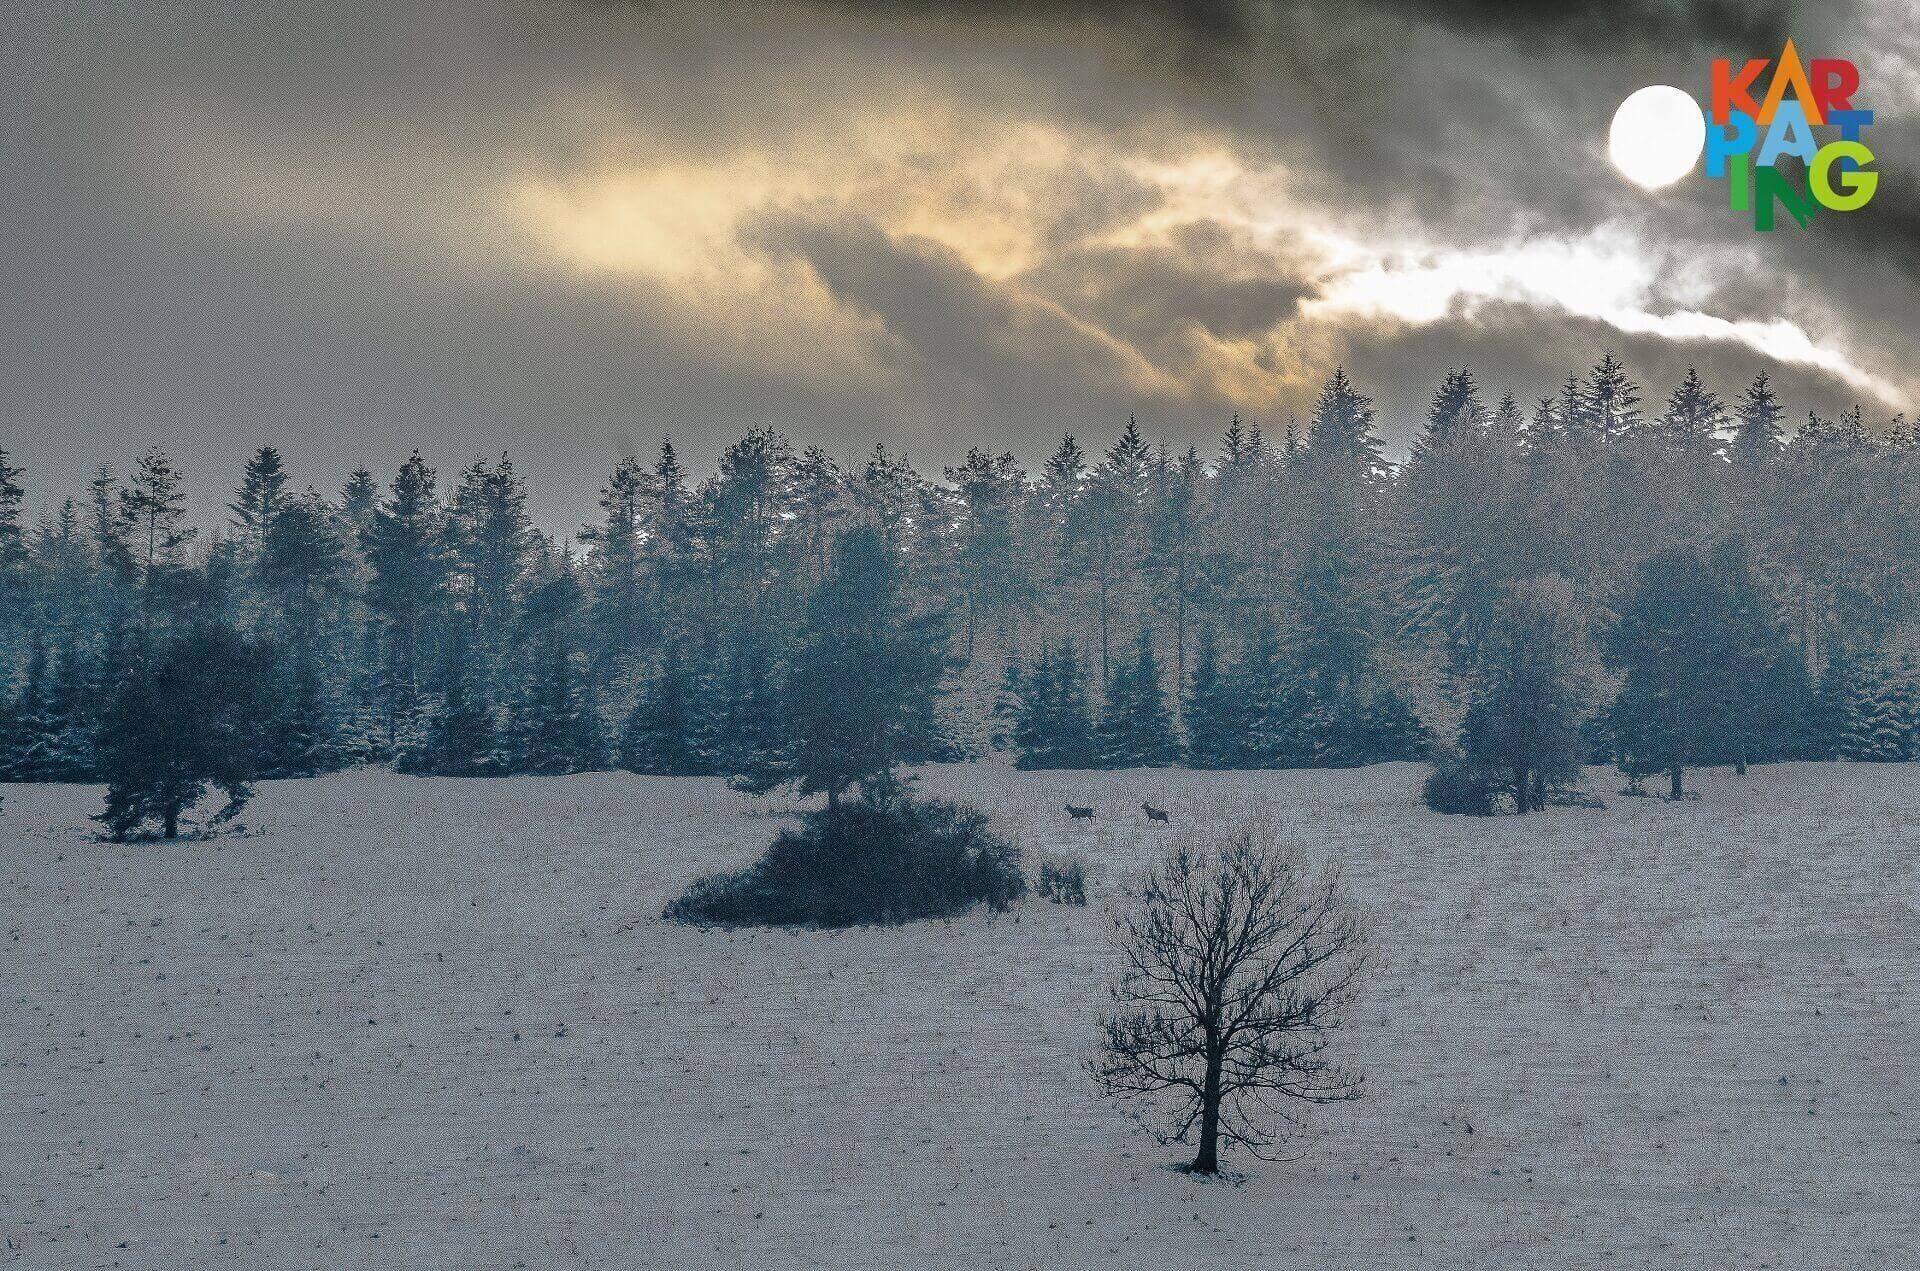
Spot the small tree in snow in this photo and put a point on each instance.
(1239, 969)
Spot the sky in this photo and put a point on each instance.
(564, 230)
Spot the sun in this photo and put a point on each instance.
(1657, 135)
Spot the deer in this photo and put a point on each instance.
(1080, 814)
(1155, 814)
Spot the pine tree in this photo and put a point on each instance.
(150, 512)
(1212, 712)
(301, 567)
(493, 547)
(1691, 425)
(661, 734)
(461, 736)
(178, 723)
(862, 668)
(1051, 726)
(1136, 730)
(14, 557)
(1268, 704)
(1757, 435)
(1672, 641)
(256, 500)
(405, 546)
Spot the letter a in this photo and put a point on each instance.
(1790, 72)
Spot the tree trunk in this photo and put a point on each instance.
(1740, 759)
(1674, 774)
(1208, 1159)
(172, 829)
(1522, 794)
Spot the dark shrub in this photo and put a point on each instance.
(1063, 880)
(859, 863)
(1454, 787)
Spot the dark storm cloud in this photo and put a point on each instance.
(1736, 24)
(951, 328)
(245, 223)
(1203, 277)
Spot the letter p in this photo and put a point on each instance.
(1736, 136)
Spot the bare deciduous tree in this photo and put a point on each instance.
(1239, 967)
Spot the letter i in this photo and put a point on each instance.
(1739, 190)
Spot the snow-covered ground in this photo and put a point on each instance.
(437, 1023)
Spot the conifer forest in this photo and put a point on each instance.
(1694, 579)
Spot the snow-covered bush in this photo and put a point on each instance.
(859, 862)
(1063, 880)
(1454, 787)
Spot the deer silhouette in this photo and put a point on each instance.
(1155, 814)
(1080, 814)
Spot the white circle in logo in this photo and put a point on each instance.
(1657, 135)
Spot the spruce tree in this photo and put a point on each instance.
(1876, 729)
(1268, 705)
(1757, 435)
(1832, 723)
(660, 736)
(405, 546)
(616, 562)
(1213, 710)
(461, 737)
(554, 726)
(864, 665)
(1136, 730)
(150, 513)
(1691, 424)
(494, 545)
(14, 556)
(256, 500)
(297, 734)
(301, 568)
(1050, 725)
(1672, 641)
(178, 723)
(754, 745)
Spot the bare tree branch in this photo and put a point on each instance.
(1237, 970)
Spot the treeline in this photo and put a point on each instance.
(1290, 600)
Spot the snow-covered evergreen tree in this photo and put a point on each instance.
(1136, 728)
(1213, 712)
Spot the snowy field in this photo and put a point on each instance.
(437, 1023)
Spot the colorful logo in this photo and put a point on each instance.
(1747, 138)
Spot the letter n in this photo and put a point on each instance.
(1770, 184)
